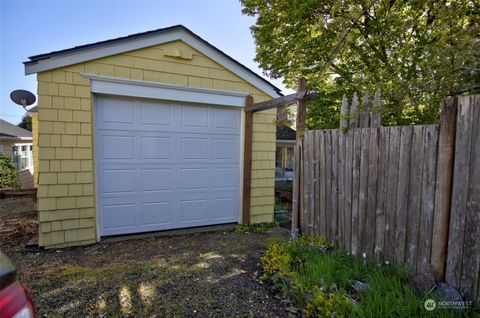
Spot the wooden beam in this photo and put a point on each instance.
(443, 188)
(276, 102)
(301, 108)
(247, 161)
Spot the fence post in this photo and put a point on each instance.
(443, 186)
(376, 117)
(247, 163)
(301, 109)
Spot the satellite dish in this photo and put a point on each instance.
(23, 98)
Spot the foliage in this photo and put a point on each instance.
(319, 280)
(9, 177)
(253, 228)
(26, 122)
(416, 51)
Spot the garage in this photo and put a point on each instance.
(165, 165)
(148, 132)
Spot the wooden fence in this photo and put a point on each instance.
(409, 195)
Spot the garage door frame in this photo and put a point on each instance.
(103, 85)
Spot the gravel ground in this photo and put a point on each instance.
(198, 275)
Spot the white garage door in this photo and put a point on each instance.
(163, 165)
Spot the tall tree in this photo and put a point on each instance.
(26, 122)
(416, 51)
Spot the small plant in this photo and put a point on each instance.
(9, 177)
(253, 228)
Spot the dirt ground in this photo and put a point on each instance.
(198, 275)
(18, 222)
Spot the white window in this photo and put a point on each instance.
(22, 156)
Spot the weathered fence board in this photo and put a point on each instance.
(409, 195)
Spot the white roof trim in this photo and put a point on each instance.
(94, 53)
(142, 89)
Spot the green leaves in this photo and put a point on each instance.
(416, 51)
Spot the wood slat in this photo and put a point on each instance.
(353, 117)
(312, 177)
(376, 118)
(415, 195)
(428, 196)
(322, 194)
(334, 191)
(372, 190)
(341, 190)
(460, 190)
(392, 187)
(328, 184)
(363, 188)
(403, 194)
(344, 113)
(471, 249)
(364, 117)
(348, 188)
(381, 194)
(296, 186)
(443, 186)
(355, 189)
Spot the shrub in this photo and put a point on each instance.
(253, 228)
(9, 177)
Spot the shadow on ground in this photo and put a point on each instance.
(204, 275)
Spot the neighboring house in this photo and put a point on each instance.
(16, 143)
(286, 138)
(145, 133)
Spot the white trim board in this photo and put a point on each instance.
(154, 90)
(94, 53)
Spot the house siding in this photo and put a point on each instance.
(35, 148)
(66, 192)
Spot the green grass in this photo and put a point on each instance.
(253, 228)
(319, 280)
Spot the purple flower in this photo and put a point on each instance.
(295, 233)
(311, 244)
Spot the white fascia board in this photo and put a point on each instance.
(154, 90)
(151, 40)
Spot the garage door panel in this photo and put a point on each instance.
(118, 180)
(194, 116)
(193, 210)
(225, 148)
(156, 147)
(154, 113)
(156, 179)
(173, 166)
(156, 213)
(118, 215)
(193, 178)
(118, 111)
(194, 148)
(225, 177)
(226, 119)
(224, 207)
(118, 147)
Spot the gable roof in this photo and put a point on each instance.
(88, 52)
(286, 133)
(12, 131)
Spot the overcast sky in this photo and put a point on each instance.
(33, 27)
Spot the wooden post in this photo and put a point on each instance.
(247, 162)
(376, 117)
(354, 112)
(301, 108)
(443, 187)
(365, 112)
(344, 114)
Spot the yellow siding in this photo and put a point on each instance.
(35, 149)
(65, 137)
